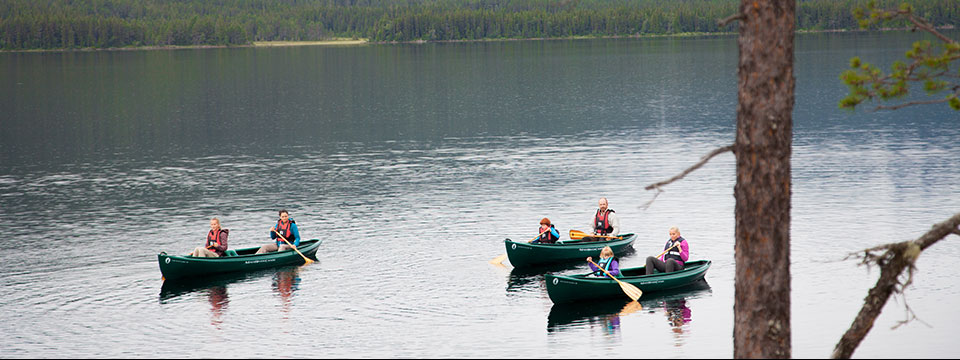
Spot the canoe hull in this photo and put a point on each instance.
(523, 254)
(565, 289)
(179, 267)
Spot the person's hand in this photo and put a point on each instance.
(589, 258)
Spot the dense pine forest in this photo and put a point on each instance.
(73, 24)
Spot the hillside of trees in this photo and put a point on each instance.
(71, 24)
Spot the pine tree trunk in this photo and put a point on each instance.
(763, 147)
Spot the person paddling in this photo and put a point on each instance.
(548, 233)
(216, 243)
(607, 262)
(287, 228)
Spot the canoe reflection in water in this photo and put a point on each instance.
(286, 280)
(608, 314)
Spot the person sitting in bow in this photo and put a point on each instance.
(606, 262)
(548, 233)
(216, 243)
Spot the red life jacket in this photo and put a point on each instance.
(285, 232)
(602, 224)
(213, 240)
(547, 237)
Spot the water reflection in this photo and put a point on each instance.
(217, 295)
(606, 315)
(285, 282)
(529, 279)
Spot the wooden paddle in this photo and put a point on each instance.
(577, 235)
(668, 249)
(305, 259)
(501, 258)
(630, 308)
(632, 292)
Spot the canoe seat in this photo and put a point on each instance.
(230, 252)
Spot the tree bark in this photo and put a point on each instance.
(896, 258)
(763, 148)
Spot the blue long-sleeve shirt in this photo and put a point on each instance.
(296, 236)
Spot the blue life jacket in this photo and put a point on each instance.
(605, 265)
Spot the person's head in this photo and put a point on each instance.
(674, 233)
(606, 252)
(603, 204)
(214, 224)
(545, 222)
(284, 215)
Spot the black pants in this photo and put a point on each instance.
(670, 265)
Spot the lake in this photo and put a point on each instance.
(413, 163)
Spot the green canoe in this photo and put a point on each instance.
(181, 266)
(564, 288)
(524, 254)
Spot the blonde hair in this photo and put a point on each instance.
(606, 250)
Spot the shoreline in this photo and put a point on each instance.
(363, 41)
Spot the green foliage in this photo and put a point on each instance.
(50, 24)
(928, 64)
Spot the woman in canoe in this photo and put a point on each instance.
(672, 260)
(548, 233)
(285, 227)
(216, 242)
(607, 262)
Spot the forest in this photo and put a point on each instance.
(72, 24)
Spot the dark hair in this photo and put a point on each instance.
(283, 211)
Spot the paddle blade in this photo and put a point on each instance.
(631, 308)
(498, 259)
(577, 234)
(632, 291)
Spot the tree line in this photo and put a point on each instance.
(69, 24)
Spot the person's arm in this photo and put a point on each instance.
(296, 234)
(222, 246)
(614, 268)
(555, 233)
(684, 250)
(615, 221)
(593, 268)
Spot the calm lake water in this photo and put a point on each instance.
(413, 163)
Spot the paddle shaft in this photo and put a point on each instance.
(294, 247)
(577, 234)
(627, 288)
(668, 249)
(538, 236)
(604, 270)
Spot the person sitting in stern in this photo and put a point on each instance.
(285, 227)
(674, 259)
